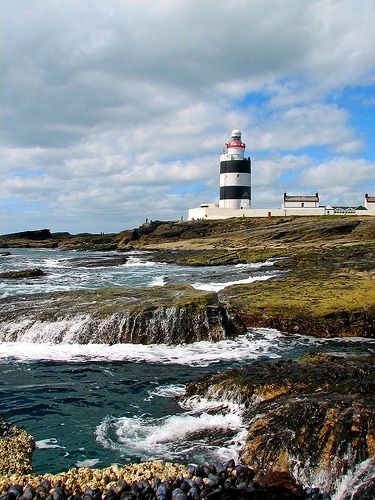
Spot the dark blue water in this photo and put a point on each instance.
(116, 411)
(67, 401)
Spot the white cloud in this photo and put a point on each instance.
(109, 103)
(338, 171)
(304, 126)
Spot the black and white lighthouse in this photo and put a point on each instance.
(235, 174)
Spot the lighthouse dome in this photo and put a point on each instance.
(236, 133)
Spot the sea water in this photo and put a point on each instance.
(93, 405)
(66, 270)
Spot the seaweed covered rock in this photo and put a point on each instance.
(320, 304)
(25, 273)
(199, 257)
(172, 314)
(98, 261)
(313, 417)
(16, 447)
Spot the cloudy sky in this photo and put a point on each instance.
(117, 110)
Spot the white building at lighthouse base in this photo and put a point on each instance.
(212, 211)
(291, 206)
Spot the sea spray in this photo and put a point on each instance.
(205, 428)
(359, 482)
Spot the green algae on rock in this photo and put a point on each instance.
(172, 314)
(312, 306)
(325, 294)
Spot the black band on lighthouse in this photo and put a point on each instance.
(234, 166)
(235, 193)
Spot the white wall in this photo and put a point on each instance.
(370, 207)
(226, 213)
(298, 204)
(305, 211)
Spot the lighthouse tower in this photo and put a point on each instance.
(235, 174)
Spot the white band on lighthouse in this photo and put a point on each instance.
(235, 174)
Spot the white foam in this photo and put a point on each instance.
(45, 444)
(54, 263)
(348, 484)
(256, 265)
(137, 262)
(174, 436)
(215, 287)
(88, 462)
(30, 331)
(256, 343)
(158, 281)
(168, 391)
(198, 404)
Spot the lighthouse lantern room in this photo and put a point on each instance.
(235, 174)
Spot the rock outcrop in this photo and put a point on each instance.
(324, 294)
(24, 273)
(172, 314)
(99, 261)
(313, 418)
(267, 235)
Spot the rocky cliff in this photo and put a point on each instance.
(313, 417)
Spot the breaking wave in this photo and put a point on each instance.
(157, 281)
(257, 343)
(207, 430)
(216, 287)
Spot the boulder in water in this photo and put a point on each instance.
(313, 417)
(25, 273)
(102, 261)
